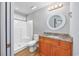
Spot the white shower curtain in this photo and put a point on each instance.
(23, 31)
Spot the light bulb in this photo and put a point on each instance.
(49, 8)
(56, 6)
(60, 5)
(52, 7)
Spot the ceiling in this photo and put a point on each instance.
(25, 7)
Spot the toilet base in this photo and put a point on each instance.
(32, 48)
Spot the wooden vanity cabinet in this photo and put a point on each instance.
(54, 47)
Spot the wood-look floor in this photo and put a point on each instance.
(25, 52)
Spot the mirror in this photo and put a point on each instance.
(56, 21)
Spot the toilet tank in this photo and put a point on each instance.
(36, 37)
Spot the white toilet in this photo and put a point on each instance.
(33, 44)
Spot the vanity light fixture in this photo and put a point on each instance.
(50, 7)
(56, 6)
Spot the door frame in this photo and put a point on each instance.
(6, 28)
(2, 29)
(12, 27)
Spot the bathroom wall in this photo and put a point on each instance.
(74, 28)
(0, 30)
(40, 17)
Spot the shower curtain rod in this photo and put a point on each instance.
(20, 19)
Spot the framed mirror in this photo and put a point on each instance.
(56, 21)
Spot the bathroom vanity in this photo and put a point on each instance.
(55, 45)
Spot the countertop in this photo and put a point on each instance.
(63, 37)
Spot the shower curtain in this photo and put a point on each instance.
(23, 33)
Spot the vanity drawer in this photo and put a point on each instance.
(65, 44)
(51, 41)
(54, 42)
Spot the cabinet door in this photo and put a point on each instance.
(66, 45)
(60, 51)
(47, 50)
(68, 52)
(53, 50)
(41, 48)
(44, 49)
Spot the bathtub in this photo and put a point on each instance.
(18, 46)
